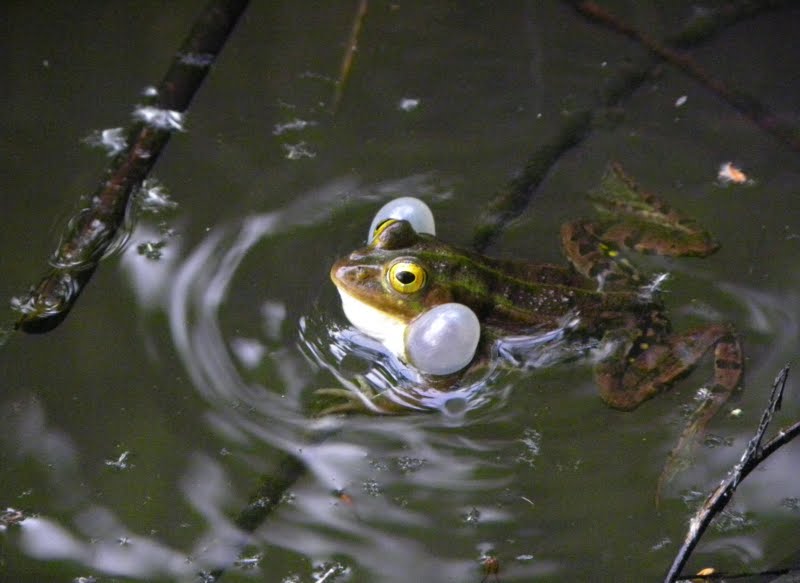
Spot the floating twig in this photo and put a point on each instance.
(94, 229)
(753, 455)
(349, 55)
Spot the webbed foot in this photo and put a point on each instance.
(361, 397)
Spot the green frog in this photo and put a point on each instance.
(403, 274)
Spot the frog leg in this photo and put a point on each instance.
(583, 243)
(642, 221)
(640, 369)
(648, 369)
(632, 219)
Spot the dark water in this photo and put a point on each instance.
(137, 429)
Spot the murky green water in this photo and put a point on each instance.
(137, 430)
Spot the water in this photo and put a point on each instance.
(138, 429)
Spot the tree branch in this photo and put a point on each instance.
(93, 230)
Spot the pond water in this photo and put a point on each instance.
(134, 433)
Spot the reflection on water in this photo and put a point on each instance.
(387, 498)
(224, 369)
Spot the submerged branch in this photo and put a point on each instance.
(349, 55)
(753, 455)
(510, 202)
(94, 229)
(747, 105)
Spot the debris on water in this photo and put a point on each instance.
(472, 517)
(295, 125)
(531, 440)
(713, 441)
(246, 563)
(372, 487)
(379, 465)
(298, 151)
(732, 521)
(326, 572)
(11, 517)
(112, 140)
(729, 173)
(197, 59)
(121, 463)
(736, 412)
(408, 104)
(87, 579)
(123, 541)
(491, 566)
(703, 394)
(152, 250)
(664, 542)
(160, 119)
(791, 503)
(680, 101)
(524, 558)
(408, 465)
(153, 197)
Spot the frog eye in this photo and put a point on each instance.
(407, 277)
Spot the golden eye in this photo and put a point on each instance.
(406, 277)
(381, 228)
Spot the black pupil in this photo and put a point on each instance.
(405, 277)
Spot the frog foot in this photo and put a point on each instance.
(361, 398)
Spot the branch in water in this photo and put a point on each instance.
(349, 55)
(509, 203)
(753, 455)
(747, 105)
(94, 229)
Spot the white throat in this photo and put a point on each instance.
(388, 330)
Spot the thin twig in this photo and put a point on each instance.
(747, 105)
(753, 455)
(349, 55)
(93, 230)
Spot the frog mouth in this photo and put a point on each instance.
(387, 329)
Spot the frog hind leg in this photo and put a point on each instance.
(643, 222)
(584, 244)
(631, 219)
(638, 371)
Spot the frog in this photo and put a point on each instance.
(401, 274)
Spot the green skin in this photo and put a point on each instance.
(600, 287)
